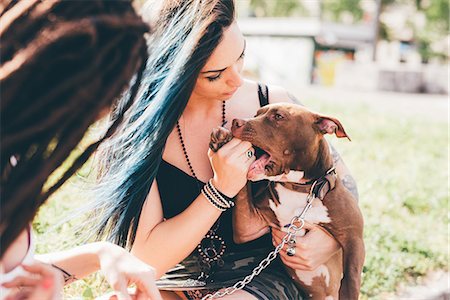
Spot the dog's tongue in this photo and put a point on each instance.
(257, 167)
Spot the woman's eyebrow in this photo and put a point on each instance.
(221, 70)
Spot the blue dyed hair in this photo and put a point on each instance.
(185, 35)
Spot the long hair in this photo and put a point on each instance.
(62, 63)
(185, 35)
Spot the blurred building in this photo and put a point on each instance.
(305, 50)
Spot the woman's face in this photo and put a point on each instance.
(221, 76)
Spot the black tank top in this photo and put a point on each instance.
(178, 190)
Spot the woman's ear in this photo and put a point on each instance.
(325, 124)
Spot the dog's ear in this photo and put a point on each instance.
(330, 125)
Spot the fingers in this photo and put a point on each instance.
(22, 281)
(302, 259)
(149, 291)
(235, 147)
(240, 151)
(41, 283)
(230, 145)
(294, 264)
(40, 268)
(121, 288)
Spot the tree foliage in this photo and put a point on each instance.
(280, 8)
(335, 9)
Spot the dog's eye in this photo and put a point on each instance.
(278, 117)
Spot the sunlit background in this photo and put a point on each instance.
(380, 67)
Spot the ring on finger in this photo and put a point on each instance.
(249, 153)
(290, 251)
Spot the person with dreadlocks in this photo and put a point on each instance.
(163, 193)
(63, 63)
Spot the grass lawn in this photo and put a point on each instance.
(401, 165)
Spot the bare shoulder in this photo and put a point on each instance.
(279, 94)
(245, 103)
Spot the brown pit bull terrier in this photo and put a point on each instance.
(289, 140)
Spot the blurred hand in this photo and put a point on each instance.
(313, 249)
(132, 294)
(122, 269)
(230, 165)
(43, 282)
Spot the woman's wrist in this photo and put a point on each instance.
(101, 249)
(230, 193)
(216, 198)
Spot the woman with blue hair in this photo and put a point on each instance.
(163, 193)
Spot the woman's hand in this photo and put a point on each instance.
(43, 282)
(122, 269)
(230, 165)
(313, 249)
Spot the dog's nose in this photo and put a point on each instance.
(237, 123)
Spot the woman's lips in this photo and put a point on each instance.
(230, 93)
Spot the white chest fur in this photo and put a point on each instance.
(292, 203)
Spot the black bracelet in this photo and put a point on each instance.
(67, 276)
(211, 200)
(225, 197)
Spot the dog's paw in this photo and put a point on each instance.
(219, 137)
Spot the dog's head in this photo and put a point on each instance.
(286, 137)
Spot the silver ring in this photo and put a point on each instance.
(249, 153)
(290, 251)
(291, 243)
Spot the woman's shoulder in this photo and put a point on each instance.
(276, 93)
(246, 101)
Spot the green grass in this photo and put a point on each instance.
(400, 164)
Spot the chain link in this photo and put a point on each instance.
(291, 231)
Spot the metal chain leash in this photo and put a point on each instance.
(291, 231)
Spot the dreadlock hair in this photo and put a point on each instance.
(185, 35)
(62, 64)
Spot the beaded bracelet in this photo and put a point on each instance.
(226, 200)
(211, 200)
(216, 198)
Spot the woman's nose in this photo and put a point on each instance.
(235, 79)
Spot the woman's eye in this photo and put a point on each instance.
(242, 55)
(214, 78)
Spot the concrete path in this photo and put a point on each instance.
(435, 286)
(433, 106)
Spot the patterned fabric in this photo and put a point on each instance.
(272, 283)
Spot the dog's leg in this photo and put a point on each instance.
(353, 263)
(248, 225)
(347, 228)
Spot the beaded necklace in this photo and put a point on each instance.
(212, 247)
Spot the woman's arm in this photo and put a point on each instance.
(164, 243)
(119, 267)
(79, 261)
(344, 173)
